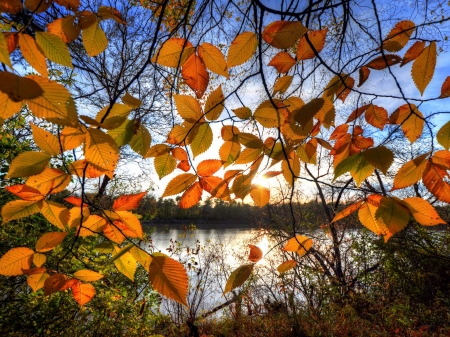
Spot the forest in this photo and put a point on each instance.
(321, 126)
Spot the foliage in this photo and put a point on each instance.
(308, 113)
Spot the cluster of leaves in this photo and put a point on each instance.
(296, 123)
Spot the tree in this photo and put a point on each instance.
(305, 59)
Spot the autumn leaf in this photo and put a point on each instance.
(54, 48)
(213, 58)
(36, 281)
(179, 184)
(393, 215)
(243, 112)
(214, 104)
(49, 241)
(174, 52)
(413, 52)
(208, 167)
(65, 28)
(126, 263)
(423, 212)
(376, 116)
(45, 140)
(128, 202)
(256, 253)
(238, 277)
(141, 140)
(168, 277)
(18, 209)
(83, 293)
(87, 275)
(188, 108)
(260, 195)
(282, 84)
(299, 244)
(384, 61)
(191, 196)
(286, 266)
(242, 49)
(25, 192)
(443, 136)
(94, 40)
(195, 75)
(347, 211)
(15, 260)
(282, 62)
(364, 73)
(49, 181)
(32, 53)
(28, 164)
(202, 140)
(399, 36)
(283, 34)
(317, 39)
(423, 67)
(434, 180)
(55, 213)
(39, 259)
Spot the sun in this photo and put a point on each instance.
(261, 180)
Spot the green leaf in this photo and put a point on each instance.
(380, 157)
(164, 164)
(141, 140)
(54, 48)
(202, 139)
(238, 277)
(123, 134)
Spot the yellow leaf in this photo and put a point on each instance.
(141, 256)
(250, 140)
(56, 214)
(4, 53)
(317, 39)
(214, 104)
(376, 116)
(83, 293)
(423, 212)
(56, 104)
(45, 140)
(128, 219)
(36, 281)
(380, 157)
(238, 277)
(213, 58)
(8, 107)
(101, 150)
(39, 259)
(116, 116)
(243, 112)
(131, 101)
(94, 40)
(286, 266)
(188, 108)
(283, 34)
(50, 181)
(399, 36)
(392, 215)
(32, 53)
(410, 172)
(260, 195)
(123, 134)
(18, 88)
(49, 241)
(141, 140)
(168, 277)
(87, 275)
(92, 225)
(443, 136)
(228, 152)
(174, 52)
(65, 28)
(413, 52)
(366, 215)
(435, 180)
(126, 264)
(202, 140)
(54, 283)
(267, 114)
(164, 164)
(242, 49)
(28, 164)
(14, 260)
(292, 170)
(282, 84)
(423, 67)
(299, 244)
(71, 138)
(207, 168)
(18, 209)
(248, 155)
(54, 48)
(179, 184)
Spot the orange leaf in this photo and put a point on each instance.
(11, 6)
(191, 196)
(128, 202)
(32, 53)
(242, 49)
(179, 184)
(423, 212)
(15, 260)
(49, 241)
(445, 89)
(39, 259)
(65, 28)
(434, 179)
(19, 88)
(25, 192)
(54, 283)
(299, 244)
(50, 181)
(92, 224)
(207, 168)
(347, 211)
(283, 34)
(195, 75)
(75, 201)
(282, 62)
(55, 213)
(256, 253)
(317, 39)
(260, 195)
(18, 209)
(216, 186)
(184, 165)
(83, 293)
(87, 275)
(392, 215)
(410, 172)
(213, 58)
(399, 36)
(131, 226)
(37, 281)
(174, 52)
(411, 119)
(413, 52)
(285, 266)
(376, 116)
(364, 73)
(382, 62)
(179, 153)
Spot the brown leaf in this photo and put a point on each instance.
(382, 62)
